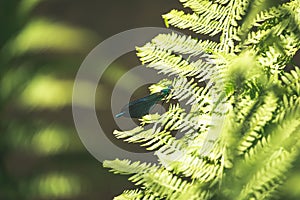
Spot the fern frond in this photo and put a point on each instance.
(126, 167)
(202, 169)
(162, 183)
(275, 23)
(190, 91)
(242, 108)
(167, 63)
(222, 1)
(267, 179)
(157, 180)
(290, 43)
(207, 8)
(184, 44)
(257, 122)
(291, 80)
(155, 137)
(132, 195)
(152, 138)
(177, 119)
(216, 18)
(192, 22)
(278, 148)
(278, 133)
(170, 118)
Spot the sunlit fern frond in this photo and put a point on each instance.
(209, 17)
(265, 163)
(135, 195)
(266, 180)
(281, 131)
(202, 169)
(189, 91)
(255, 122)
(171, 64)
(193, 22)
(157, 180)
(275, 36)
(291, 80)
(185, 45)
(127, 167)
(236, 105)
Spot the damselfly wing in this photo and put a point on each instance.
(140, 107)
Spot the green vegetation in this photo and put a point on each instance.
(241, 134)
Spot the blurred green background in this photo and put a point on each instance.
(42, 44)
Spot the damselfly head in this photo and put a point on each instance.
(166, 91)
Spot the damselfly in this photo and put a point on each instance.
(140, 107)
